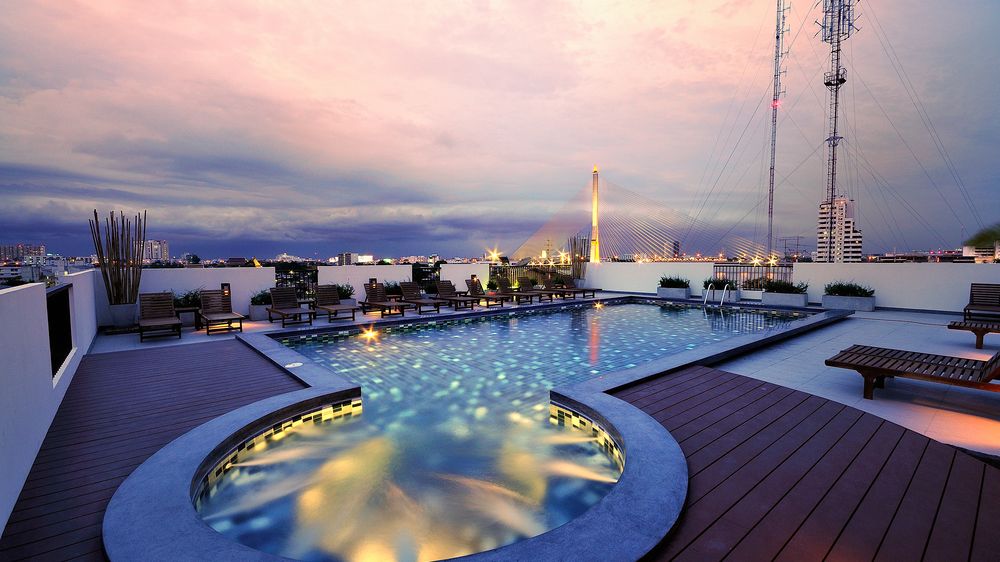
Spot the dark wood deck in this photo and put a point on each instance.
(120, 409)
(777, 474)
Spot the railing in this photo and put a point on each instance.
(512, 272)
(60, 325)
(743, 276)
(708, 291)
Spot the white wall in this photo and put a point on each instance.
(30, 395)
(923, 286)
(244, 282)
(358, 275)
(457, 273)
(644, 277)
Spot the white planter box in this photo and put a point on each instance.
(673, 293)
(258, 311)
(864, 304)
(750, 294)
(715, 296)
(785, 299)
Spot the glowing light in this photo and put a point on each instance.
(756, 260)
(494, 254)
(369, 334)
(293, 365)
(773, 260)
(599, 305)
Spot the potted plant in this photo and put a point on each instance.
(784, 293)
(491, 286)
(718, 287)
(846, 295)
(345, 292)
(259, 302)
(393, 288)
(188, 300)
(673, 288)
(119, 255)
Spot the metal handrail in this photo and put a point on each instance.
(723, 299)
(704, 301)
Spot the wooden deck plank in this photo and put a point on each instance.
(770, 479)
(120, 409)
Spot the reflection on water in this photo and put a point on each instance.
(455, 452)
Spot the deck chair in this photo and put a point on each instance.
(328, 301)
(984, 302)
(980, 329)
(524, 282)
(411, 295)
(285, 305)
(216, 312)
(476, 290)
(874, 364)
(550, 285)
(157, 315)
(447, 292)
(519, 295)
(376, 299)
(568, 283)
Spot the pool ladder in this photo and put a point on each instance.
(711, 287)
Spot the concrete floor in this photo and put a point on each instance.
(963, 417)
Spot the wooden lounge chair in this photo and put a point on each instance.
(157, 315)
(874, 364)
(476, 290)
(328, 301)
(550, 285)
(525, 282)
(285, 305)
(446, 291)
(411, 295)
(504, 289)
(376, 299)
(984, 302)
(568, 283)
(978, 328)
(216, 312)
(524, 289)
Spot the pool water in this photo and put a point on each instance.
(455, 451)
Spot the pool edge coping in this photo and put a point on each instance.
(648, 499)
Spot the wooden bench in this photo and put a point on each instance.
(980, 329)
(874, 364)
(217, 312)
(984, 302)
(157, 315)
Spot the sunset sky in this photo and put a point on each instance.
(251, 128)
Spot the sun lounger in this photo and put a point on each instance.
(525, 282)
(376, 299)
(980, 329)
(568, 283)
(411, 295)
(157, 315)
(446, 291)
(476, 290)
(328, 301)
(216, 312)
(984, 302)
(285, 305)
(521, 293)
(874, 364)
(564, 293)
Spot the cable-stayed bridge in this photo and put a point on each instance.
(633, 227)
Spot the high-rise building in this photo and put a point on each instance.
(17, 252)
(347, 258)
(843, 244)
(156, 250)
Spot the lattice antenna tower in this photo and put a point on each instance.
(839, 19)
(779, 55)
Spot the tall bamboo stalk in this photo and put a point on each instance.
(120, 254)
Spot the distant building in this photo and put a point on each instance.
(347, 258)
(156, 250)
(18, 252)
(843, 243)
(983, 254)
(235, 262)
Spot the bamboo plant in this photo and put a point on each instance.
(119, 252)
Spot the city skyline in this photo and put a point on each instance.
(454, 129)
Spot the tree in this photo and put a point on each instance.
(985, 237)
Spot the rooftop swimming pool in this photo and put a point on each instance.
(458, 449)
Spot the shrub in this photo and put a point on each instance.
(533, 281)
(847, 289)
(344, 291)
(674, 282)
(718, 282)
(430, 288)
(190, 298)
(492, 284)
(776, 286)
(393, 288)
(262, 296)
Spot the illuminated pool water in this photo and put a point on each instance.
(455, 451)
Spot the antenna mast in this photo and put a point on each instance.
(838, 25)
(779, 43)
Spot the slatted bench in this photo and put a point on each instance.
(980, 329)
(874, 364)
(984, 302)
